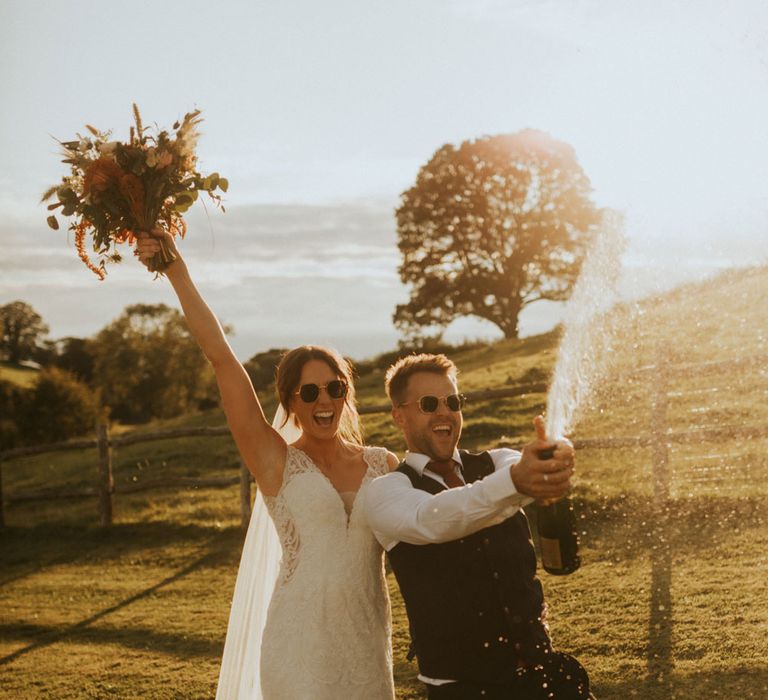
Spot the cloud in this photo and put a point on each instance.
(281, 274)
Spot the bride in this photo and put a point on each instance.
(323, 608)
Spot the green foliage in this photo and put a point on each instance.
(11, 397)
(75, 355)
(21, 328)
(262, 366)
(492, 226)
(147, 364)
(57, 408)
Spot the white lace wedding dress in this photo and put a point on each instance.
(328, 628)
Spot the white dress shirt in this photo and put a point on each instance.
(398, 512)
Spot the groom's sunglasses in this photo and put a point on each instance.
(337, 389)
(429, 404)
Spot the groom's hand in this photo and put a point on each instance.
(544, 479)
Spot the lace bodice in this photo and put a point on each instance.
(328, 627)
(299, 463)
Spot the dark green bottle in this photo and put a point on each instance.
(558, 536)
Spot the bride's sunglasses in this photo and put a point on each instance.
(337, 389)
(429, 404)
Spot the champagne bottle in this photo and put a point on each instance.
(558, 538)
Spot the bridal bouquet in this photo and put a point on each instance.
(116, 188)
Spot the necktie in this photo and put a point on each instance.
(446, 469)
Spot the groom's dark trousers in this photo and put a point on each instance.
(563, 678)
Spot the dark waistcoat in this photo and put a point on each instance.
(474, 604)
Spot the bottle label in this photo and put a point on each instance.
(550, 553)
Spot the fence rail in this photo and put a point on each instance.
(659, 439)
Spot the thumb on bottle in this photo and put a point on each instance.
(540, 426)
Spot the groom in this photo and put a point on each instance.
(459, 545)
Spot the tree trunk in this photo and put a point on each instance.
(510, 331)
(508, 318)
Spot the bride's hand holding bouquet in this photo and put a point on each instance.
(150, 244)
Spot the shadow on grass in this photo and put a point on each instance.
(737, 685)
(631, 527)
(659, 652)
(181, 645)
(213, 556)
(37, 548)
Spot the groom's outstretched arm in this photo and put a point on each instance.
(398, 512)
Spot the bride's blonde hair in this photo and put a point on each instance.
(289, 376)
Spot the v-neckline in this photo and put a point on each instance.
(339, 499)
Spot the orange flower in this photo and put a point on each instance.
(179, 226)
(80, 230)
(100, 174)
(174, 224)
(125, 235)
(133, 190)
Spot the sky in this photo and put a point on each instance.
(321, 113)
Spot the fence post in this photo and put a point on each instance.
(245, 496)
(2, 515)
(660, 617)
(659, 430)
(106, 482)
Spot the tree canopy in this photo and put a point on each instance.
(491, 226)
(147, 364)
(21, 328)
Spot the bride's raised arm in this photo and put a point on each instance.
(263, 450)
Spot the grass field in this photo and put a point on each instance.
(671, 601)
(17, 374)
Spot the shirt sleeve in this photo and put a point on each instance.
(398, 512)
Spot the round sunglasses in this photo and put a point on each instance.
(429, 404)
(337, 389)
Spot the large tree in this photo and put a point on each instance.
(492, 226)
(21, 327)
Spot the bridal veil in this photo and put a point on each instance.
(256, 578)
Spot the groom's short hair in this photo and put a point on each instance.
(396, 380)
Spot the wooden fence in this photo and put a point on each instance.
(660, 438)
(105, 489)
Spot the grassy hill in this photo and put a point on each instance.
(669, 603)
(18, 374)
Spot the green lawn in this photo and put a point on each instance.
(670, 602)
(17, 374)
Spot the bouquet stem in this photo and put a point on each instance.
(160, 261)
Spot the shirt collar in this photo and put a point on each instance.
(419, 461)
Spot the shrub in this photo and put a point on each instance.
(11, 400)
(57, 408)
